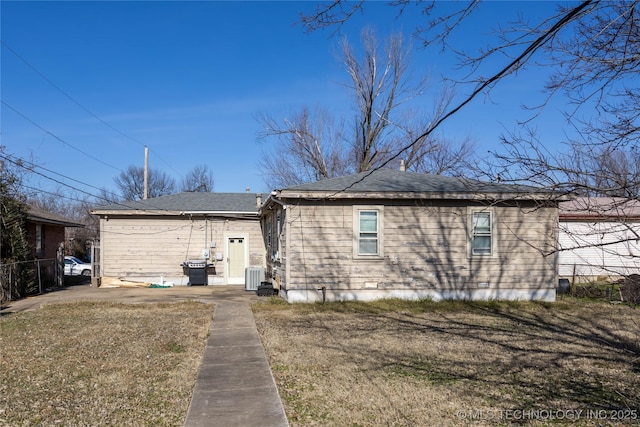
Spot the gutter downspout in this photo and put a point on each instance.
(287, 268)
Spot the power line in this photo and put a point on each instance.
(515, 64)
(33, 165)
(40, 190)
(57, 137)
(111, 232)
(69, 97)
(20, 163)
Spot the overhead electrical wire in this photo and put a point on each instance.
(515, 64)
(85, 109)
(112, 232)
(20, 163)
(48, 132)
(40, 190)
(53, 179)
(66, 94)
(33, 165)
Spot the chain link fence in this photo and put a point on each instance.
(21, 279)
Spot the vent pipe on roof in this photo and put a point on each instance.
(402, 168)
(247, 190)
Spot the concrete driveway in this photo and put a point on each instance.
(85, 292)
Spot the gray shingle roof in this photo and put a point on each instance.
(190, 202)
(37, 214)
(387, 180)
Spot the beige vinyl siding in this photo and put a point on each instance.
(142, 246)
(426, 245)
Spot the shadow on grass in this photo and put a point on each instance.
(569, 354)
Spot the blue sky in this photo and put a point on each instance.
(188, 79)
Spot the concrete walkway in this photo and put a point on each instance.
(235, 386)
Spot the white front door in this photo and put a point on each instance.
(236, 260)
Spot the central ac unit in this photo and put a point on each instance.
(253, 276)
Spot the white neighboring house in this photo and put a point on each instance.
(599, 236)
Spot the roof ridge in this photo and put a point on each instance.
(191, 201)
(390, 180)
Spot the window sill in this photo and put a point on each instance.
(368, 257)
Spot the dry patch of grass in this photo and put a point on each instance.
(100, 363)
(422, 363)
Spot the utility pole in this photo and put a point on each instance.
(146, 172)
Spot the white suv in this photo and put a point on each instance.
(74, 267)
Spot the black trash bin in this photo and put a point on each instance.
(197, 272)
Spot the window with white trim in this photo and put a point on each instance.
(368, 232)
(481, 233)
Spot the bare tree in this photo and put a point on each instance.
(584, 168)
(198, 179)
(619, 171)
(591, 48)
(55, 202)
(445, 157)
(309, 149)
(315, 145)
(131, 183)
(594, 55)
(380, 85)
(108, 197)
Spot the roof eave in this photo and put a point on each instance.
(133, 212)
(34, 218)
(272, 199)
(139, 212)
(333, 195)
(598, 218)
(220, 213)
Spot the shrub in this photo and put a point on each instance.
(630, 289)
(588, 290)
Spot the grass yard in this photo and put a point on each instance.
(100, 363)
(399, 363)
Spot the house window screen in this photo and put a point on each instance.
(368, 233)
(481, 237)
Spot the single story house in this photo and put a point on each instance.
(599, 236)
(46, 231)
(149, 240)
(397, 234)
